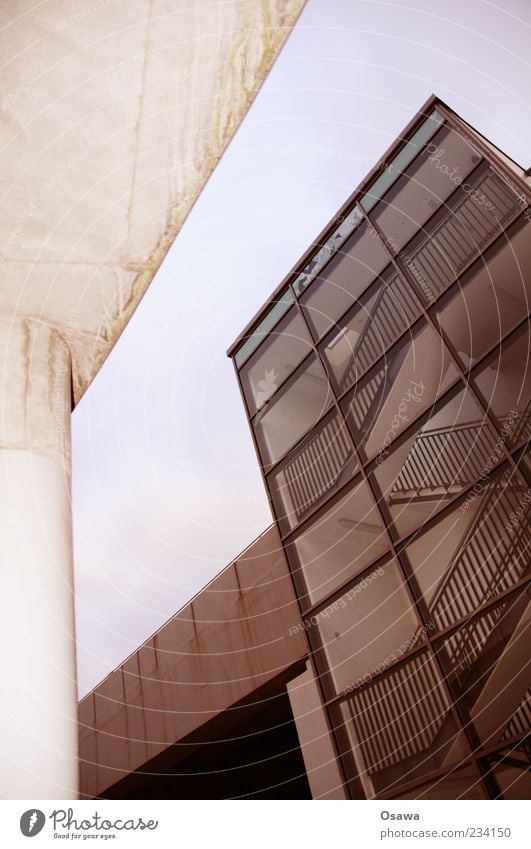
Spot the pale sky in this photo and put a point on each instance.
(166, 483)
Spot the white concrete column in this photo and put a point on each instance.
(318, 753)
(38, 699)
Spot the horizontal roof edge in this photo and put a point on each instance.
(432, 102)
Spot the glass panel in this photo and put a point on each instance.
(345, 277)
(436, 172)
(487, 662)
(296, 407)
(340, 543)
(505, 383)
(275, 313)
(340, 235)
(477, 551)
(278, 356)
(512, 774)
(494, 299)
(368, 330)
(400, 727)
(460, 784)
(398, 390)
(321, 464)
(402, 160)
(471, 219)
(368, 628)
(448, 453)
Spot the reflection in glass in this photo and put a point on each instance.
(424, 186)
(400, 726)
(369, 627)
(476, 552)
(278, 356)
(322, 463)
(332, 244)
(346, 276)
(281, 306)
(505, 383)
(369, 329)
(457, 234)
(399, 389)
(487, 663)
(491, 299)
(402, 159)
(292, 412)
(446, 455)
(340, 543)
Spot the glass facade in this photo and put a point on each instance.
(390, 406)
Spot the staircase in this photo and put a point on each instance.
(402, 719)
(445, 249)
(317, 466)
(442, 461)
(488, 560)
(393, 311)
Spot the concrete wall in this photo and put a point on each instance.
(231, 640)
(113, 115)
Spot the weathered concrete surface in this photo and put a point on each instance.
(113, 115)
(38, 717)
(231, 640)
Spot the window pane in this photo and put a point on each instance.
(496, 298)
(332, 244)
(312, 472)
(400, 726)
(402, 159)
(398, 390)
(476, 552)
(368, 628)
(505, 383)
(292, 412)
(257, 337)
(346, 276)
(472, 218)
(487, 662)
(277, 357)
(340, 543)
(369, 329)
(447, 454)
(426, 184)
(460, 784)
